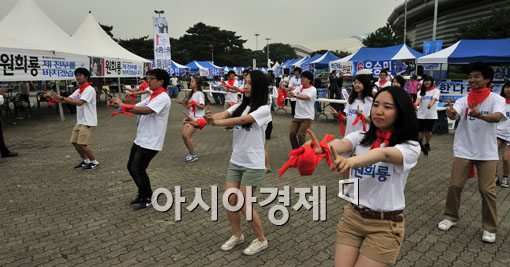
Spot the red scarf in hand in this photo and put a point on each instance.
(282, 94)
(193, 106)
(83, 86)
(472, 172)
(229, 84)
(363, 121)
(305, 159)
(124, 111)
(507, 99)
(132, 98)
(382, 137)
(340, 120)
(156, 93)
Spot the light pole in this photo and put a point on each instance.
(405, 21)
(435, 21)
(267, 48)
(257, 41)
(159, 12)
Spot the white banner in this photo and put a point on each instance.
(162, 50)
(346, 67)
(26, 65)
(114, 68)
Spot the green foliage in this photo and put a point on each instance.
(494, 27)
(384, 36)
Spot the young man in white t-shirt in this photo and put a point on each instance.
(475, 144)
(305, 110)
(86, 118)
(150, 133)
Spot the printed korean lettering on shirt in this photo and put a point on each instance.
(381, 172)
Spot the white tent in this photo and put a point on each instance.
(27, 23)
(99, 44)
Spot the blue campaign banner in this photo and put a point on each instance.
(430, 47)
(375, 66)
(451, 91)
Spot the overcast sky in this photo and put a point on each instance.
(286, 21)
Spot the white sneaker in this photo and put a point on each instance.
(446, 224)
(488, 237)
(255, 247)
(232, 242)
(504, 182)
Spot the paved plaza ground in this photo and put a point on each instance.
(53, 215)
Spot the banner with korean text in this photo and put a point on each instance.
(114, 68)
(33, 65)
(162, 50)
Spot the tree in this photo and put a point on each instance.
(142, 46)
(337, 53)
(108, 30)
(384, 36)
(493, 27)
(277, 52)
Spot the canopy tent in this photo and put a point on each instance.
(374, 59)
(287, 64)
(467, 51)
(307, 60)
(176, 68)
(324, 60)
(299, 62)
(205, 68)
(307, 64)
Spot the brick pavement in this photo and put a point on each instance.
(53, 215)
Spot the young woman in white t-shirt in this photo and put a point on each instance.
(371, 232)
(359, 104)
(427, 101)
(383, 81)
(503, 135)
(247, 162)
(195, 105)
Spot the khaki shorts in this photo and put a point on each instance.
(82, 134)
(379, 240)
(245, 176)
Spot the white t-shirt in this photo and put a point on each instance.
(174, 81)
(379, 85)
(423, 112)
(199, 97)
(151, 130)
(86, 114)
(475, 139)
(1, 99)
(503, 128)
(305, 109)
(381, 185)
(248, 143)
(350, 109)
(294, 84)
(231, 96)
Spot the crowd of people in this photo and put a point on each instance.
(388, 123)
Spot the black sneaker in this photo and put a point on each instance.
(90, 166)
(427, 147)
(424, 149)
(144, 203)
(80, 166)
(135, 201)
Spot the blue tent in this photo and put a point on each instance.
(289, 63)
(324, 60)
(307, 64)
(174, 68)
(395, 52)
(467, 51)
(214, 70)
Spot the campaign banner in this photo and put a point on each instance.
(451, 91)
(115, 68)
(430, 47)
(347, 68)
(26, 65)
(375, 66)
(162, 49)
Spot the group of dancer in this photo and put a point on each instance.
(380, 146)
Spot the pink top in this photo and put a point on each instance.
(412, 87)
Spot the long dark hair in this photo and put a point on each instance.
(423, 89)
(198, 82)
(507, 84)
(366, 80)
(405, 127)
(258, 97)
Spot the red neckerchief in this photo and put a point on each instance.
(363, 121)
(381, 137)
(381, 84)
(303, 88)
(476, 97)
(340, 120)
(83, 86)
(507, 99)
(305, 159)
(156, 93)
(430, 88)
